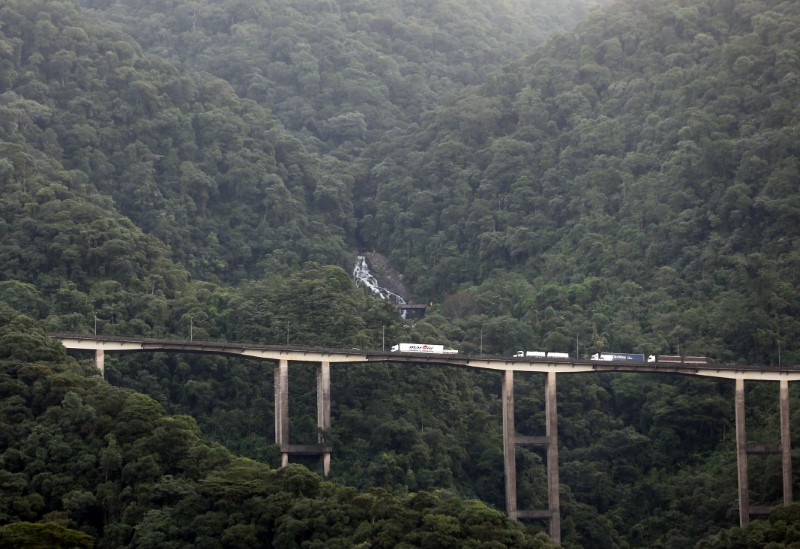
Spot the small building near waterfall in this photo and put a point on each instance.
(413, 311)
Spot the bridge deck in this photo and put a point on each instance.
(488, 362)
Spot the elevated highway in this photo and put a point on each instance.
(282, 355)
(296, 353)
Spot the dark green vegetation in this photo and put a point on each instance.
(779, 531)
(79, 454)
(214, 166)
(638, 177)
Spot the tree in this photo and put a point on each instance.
(21, 535)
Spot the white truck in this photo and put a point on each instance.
(618, 357)
(422, 348)
(539, 354)
(677, 359)
(522, 354)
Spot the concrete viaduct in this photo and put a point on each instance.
(324, 357)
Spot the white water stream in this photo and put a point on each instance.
(363, 276)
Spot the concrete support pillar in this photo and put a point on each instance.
(551, 417)
(741, 455)
(282, 409)
(786, 442)
(509, 452)
(100, 361)
(324, 409)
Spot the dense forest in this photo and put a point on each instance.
(639, 176)
(573, 176)
(106, 467)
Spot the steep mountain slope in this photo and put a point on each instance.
(213, 176)
(641, 174)
(191, 161)
(341, 73)
(629, 186)
(124, 178)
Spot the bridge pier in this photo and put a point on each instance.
(282, 415)
(324, 411)
(509, 450)
(553, 496)
(100, 361)
(741, 454)
(786, 442)
(282, 409)
(511, 440)
(746, 511)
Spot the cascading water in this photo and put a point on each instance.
(363, 276)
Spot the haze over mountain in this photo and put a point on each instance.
(631, 184)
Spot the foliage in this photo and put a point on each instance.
(781, 529)
(84, 460)
(342, 73)
(25, 535)
(208, 170)
(637, 174)
(90, 118)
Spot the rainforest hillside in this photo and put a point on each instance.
(639, 177)
(213, 176)
(86, 464)
(621, 189)
(166, 166)
(342, 73)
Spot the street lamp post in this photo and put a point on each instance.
(481, 339)
(95, 324)
(383, 338)
(191, 328)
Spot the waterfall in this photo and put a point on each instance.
(364, 277)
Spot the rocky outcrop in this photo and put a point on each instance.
(386, 275)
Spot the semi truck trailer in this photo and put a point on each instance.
(422, 348)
